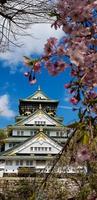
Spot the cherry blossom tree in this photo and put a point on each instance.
(78, 20)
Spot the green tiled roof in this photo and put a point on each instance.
(40, 100)
(46, 99)
(16, 139)
(48, 157)
(38, 91)
(22, 127)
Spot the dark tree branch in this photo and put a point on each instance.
(19, 15)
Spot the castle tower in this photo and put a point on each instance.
(37, 135)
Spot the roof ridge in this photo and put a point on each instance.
(38, 91)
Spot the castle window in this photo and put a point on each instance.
(10, 144)
(21, 162)
(9, 162)
(35, 132)
(49, 148)
(22, 133)
(57, 134)
(17, 162)
(40, 122)
(45, 148)
(31, 133)
(48, 132)
(27, 162)
(61, 134)
(31, 148)
(31, 162)
(41, 148)
(18, 133)
(40, 162)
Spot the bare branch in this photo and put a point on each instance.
(16, 16)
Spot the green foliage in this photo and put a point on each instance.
(2, 136)
(84, 193)
(25, 189)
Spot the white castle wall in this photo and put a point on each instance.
(13, 167)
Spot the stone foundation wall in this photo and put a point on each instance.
(9, 187)
(10, 184)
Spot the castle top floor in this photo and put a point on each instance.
(38, 99)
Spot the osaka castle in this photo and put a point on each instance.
(36, 137)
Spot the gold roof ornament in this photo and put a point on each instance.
(41, 129)
(40, 107)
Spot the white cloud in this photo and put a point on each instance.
(5, 110)
(66, 107)
(31, 44)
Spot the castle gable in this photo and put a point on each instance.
(39, 118)
(38, 95)
(39, 144)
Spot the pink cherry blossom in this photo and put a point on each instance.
(33, 81)
(37, 66)
(83, 154)
(48, 49)
(60, 50)
(49, 65)
(26, 74)
(68, 85)
(49, 46)
(73, 73)
(92, 196)
(52, 41)
(73, 100)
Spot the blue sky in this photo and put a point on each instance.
(13, 84)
